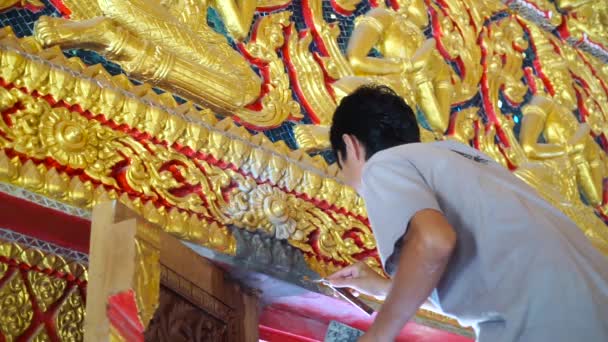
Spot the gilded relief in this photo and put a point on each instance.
(476, 73)
(168, 44)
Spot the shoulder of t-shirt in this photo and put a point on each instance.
(401, 152)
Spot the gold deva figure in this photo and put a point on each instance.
(565, 137)
(410, 65)
(168, 43)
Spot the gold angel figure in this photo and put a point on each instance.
(564, 137)
(169, 44)
(410, 65)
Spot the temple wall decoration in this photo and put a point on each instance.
(207, 116)
(42, 294)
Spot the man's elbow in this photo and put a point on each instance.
(436, 235)
(441, 246)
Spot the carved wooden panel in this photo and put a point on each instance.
(177, 319)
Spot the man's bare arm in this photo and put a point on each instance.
(427, 248)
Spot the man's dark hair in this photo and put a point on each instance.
(375, 115)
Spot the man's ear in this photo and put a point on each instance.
(353, 146)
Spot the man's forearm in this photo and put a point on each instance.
(418, 273)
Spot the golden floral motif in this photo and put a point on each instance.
(266, 208)
(70, 318)
(15, 307)
(69, 138)
(46, 289)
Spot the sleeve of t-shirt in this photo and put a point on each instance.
(393, 194)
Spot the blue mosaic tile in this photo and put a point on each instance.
(339, 332)
(22, 20)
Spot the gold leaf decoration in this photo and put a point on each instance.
(46, 289)
(15, 307)
(70, 317)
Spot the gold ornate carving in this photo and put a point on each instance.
(454, 22)
(15, 307)
(147, 271)
(48, 276)
(587, 20)
(336, 63)
(41, 335)
(47, 290)
(197, 192)
(3, 269)
(565, 137)
(268, 37)
(6, 4)
(70, 317)
(503, 43)
(405, 66)
(173, 48)
(309, 80)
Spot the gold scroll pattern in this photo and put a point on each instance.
(70, 319)
(16, 307)
(193, 198)
(49, 278)
(46, 289)
(41, 336)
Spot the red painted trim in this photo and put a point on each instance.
(62, 8)
(123, 315)
(269, 334)
(308, 19)
(44, 223)
(309, 316)
(340, 10)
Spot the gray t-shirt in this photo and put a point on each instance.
(521, 270)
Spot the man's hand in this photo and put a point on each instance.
(361, 278)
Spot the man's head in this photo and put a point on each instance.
(371, 119)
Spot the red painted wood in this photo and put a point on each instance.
(273, 335)
(308, 316)
(123, 316)
(44, 223)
